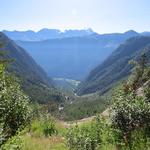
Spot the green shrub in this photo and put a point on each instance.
(14, 143)
(92, 136)
(131, 108)
(131, 113)
(49, 127)
(14, 106)
(43, 126)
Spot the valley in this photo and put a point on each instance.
(75, 92)
(74, 57)
(67, 84)
(75, 75)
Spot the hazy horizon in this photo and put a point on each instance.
(25, 30)
(103, 16)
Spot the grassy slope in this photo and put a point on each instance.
(34, 139)
(43, 143)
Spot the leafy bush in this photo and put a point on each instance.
(92, 136)
(43, 126)
(131, 113)
(14, 143)
(49, 127)
(131, 108)
(14, 106)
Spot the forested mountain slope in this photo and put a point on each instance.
(33, 79)
(116, 66)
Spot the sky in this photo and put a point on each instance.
(103, 16)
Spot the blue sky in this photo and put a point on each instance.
(103, 16)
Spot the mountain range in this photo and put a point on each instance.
(74, 57)
(77, 52)
(116, 67)
(45, 34)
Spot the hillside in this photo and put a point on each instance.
(74, 57)
(34, 80)
(116, 67)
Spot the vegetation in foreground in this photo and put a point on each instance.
(128, 127)
(14, 105)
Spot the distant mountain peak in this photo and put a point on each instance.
(48, 30)
(131, 32)
(45, 34)
(80, 30)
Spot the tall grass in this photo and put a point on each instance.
(44, 143)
